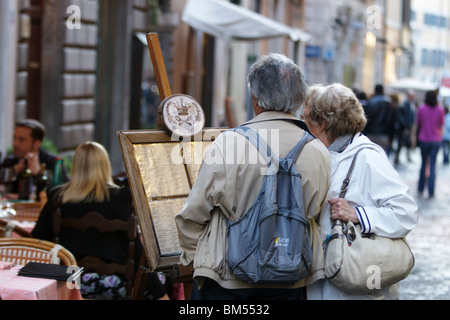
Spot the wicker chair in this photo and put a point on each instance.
(23, 250)
(7, 228)
(27, 211)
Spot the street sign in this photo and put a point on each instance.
(329, 53)
(313, 51)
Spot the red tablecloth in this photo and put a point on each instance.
(26, 225)
(14, 287)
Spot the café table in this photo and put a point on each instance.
(26, 225)
(24, 213)
(15, 287)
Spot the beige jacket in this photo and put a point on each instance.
(228, 183)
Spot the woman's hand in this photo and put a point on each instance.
(340, 210)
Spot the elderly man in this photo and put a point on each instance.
(231, 177)
(28, 136)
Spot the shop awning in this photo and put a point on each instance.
(412, 84)
(228, 21)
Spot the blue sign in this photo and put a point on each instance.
(313, 51)
(329, 53)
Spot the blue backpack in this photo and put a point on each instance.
(270, 242)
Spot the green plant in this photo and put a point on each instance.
(49, 146)
(152, 9)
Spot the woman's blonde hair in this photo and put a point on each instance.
(91, 175)
(338, 108)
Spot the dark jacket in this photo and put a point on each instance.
(111, 247)
(380, 116)
(44, 157)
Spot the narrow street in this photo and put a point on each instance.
(430, 277)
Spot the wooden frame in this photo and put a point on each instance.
(161, 172)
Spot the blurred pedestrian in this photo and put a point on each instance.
(377, 199)
(401, 122)
(446, 136)
(380, 118)
(151, 102)
(430, 122)
(362, 97)
(409, 109)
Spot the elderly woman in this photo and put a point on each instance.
(377, 198)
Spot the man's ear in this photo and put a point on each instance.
(256, 106)
(36, 146)
(254, 102)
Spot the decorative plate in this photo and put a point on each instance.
(182, 115)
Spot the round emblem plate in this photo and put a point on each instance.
(182, 115)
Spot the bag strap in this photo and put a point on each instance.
(346, 181)
(342, 194)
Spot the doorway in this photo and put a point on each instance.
(145, 98)
(34, 60)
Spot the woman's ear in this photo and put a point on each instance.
(321, 126)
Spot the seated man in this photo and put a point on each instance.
(28, 136)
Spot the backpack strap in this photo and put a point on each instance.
(295, 152)
(265, 150)
(257, 141)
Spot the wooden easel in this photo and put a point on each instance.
(180, 273)
(159, 66)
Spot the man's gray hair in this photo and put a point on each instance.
(277, 83)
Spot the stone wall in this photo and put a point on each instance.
(70, 61)
(22, 60)
(79, 66)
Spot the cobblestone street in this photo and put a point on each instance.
(430, 277)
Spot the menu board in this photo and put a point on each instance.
(161, 172)
(163, 213)
(162, 177)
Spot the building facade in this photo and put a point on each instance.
(82, 67)
(359, 43)
(72, 68)
(430, 23)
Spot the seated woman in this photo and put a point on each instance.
(377, 198)
(92, 189)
